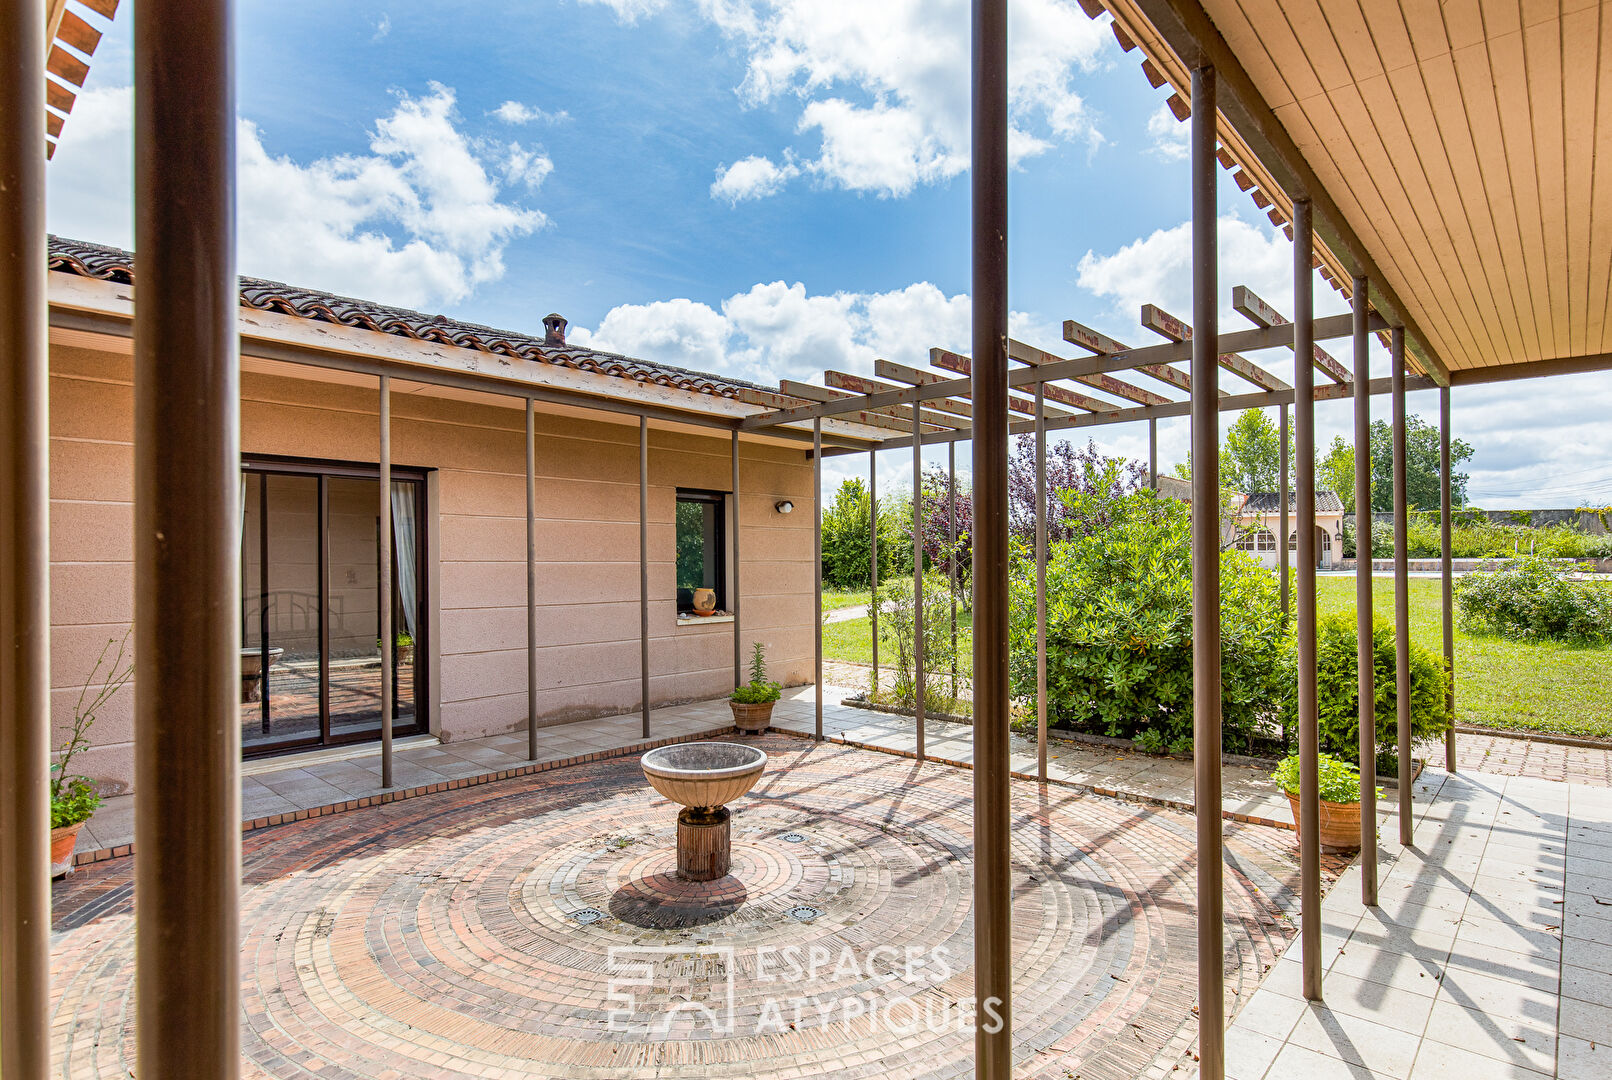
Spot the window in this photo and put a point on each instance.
(1265, 540)
(701, 546)
(310, 628)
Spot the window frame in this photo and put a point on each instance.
(718, 499)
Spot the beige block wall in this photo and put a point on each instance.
(587, 540)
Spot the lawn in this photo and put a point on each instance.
(834, 599)
(852, 641)
(1529, 686)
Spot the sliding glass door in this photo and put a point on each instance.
(310, 619)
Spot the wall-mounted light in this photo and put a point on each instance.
(783, 506)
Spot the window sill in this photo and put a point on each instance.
(702, 620)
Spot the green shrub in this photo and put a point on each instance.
(847, 545)
(1534, 600)
(1119, 629)
(897, 619)
(74, 798)
(1338, 690)
(1339, 780)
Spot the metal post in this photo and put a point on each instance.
(733, 601)
(817, 564)
(1152, 454)
(1401, 587)
(993, 913)
(1206, 582)
(383, 568)
(918, 577)
(1366, 653)
(24, 554)
(643, 569)
(1448, 568)
(531, 581)
(1309, 733)
(187, 544)
(873, 559)
(1284, 557)
(1041, 582)
(951, 548)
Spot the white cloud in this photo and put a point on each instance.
(383, 27)
(1169, 135)
(751, 178)
(422, 218)
(518, 113)
(629, 12)
(885, 85)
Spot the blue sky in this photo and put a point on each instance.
(764, 188)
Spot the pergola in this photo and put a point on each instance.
(1428, 158)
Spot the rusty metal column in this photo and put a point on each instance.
(187, 544)
(383, 601)
(1153, 454)
(1206, 581)
(733, 601)
(1309, 733)
(1283, 556)
(951, 542)
(1041, 582)
(1401, 588)
(24, 554)
(873, 558)
(643, 569)
(817, 564)
(1365, 654)
(531, 582)
(993, 912)
(1448, 568)
(918, 576)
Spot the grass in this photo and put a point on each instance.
(1517, 685)
(834, 599)
(1525, 686)
(851, 641)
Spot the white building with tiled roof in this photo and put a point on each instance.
(1259, 522)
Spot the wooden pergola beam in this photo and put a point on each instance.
(943, 358)
(943, 412)
(1167, 326)
(1094, 341)
(911, 376)
(1260, 313)
(899, 416)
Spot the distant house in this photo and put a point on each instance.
(1259, 520)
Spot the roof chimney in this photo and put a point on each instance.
(553, 329)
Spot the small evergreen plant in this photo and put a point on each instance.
(759, 690)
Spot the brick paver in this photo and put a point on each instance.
(482, 931)
(1507, 756)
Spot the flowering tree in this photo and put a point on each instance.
(1070, 469)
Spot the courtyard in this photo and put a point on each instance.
(536, 927)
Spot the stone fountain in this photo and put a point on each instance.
(703, 777)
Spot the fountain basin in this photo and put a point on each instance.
(701, 777)
(703, 774)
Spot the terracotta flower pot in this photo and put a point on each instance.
(752, 718)
(704, 601)
(1340, 824)
(62, 842)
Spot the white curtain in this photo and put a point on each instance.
(403, 546)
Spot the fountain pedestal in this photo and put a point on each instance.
(704, 843)
(702, 776)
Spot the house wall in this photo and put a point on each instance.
(587, 538)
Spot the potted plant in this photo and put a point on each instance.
(752, 703)
(1340, 799)
(74, 797)
(405, 648)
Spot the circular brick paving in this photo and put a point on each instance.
(536, 928)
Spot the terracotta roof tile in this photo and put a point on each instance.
(112, 264)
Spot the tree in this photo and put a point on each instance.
(1336, 471)
(846, 539)
(1251, 457)
(1421, 466)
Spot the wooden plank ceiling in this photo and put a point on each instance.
(75, 30)
(1467, 143)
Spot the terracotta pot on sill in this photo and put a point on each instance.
(704, 601)
(1340, 824)
(62, 842)
(752, 718)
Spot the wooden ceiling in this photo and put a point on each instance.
(1467, 145)
(73, 39)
